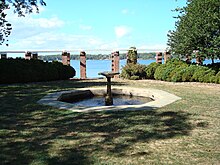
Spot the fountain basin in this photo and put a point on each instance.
(161, 98)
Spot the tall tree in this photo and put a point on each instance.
(21, 8)
(197, 29)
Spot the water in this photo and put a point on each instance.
(93, 67)
(117, 100)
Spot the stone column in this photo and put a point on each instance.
(35, 56)
(167, 56)
(159, 58)
(188, 59)
(66, 58)
(198, 58)
(4, 56)
(28, 55)
(82, 65)
(115, 63)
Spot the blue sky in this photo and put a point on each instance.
(97, 24)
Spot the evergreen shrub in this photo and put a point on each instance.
(133, 71)
(150, 70)
(22, 71)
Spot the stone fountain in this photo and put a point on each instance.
(108, 97)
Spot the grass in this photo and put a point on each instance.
(185, 132)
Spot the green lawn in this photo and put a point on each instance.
(185, 132)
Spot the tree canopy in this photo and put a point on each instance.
(20, 7)
(197, 29)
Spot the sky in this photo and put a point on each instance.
(94, 24)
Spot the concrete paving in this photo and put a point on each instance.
(160, 97)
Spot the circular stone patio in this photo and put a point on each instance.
(160, 97)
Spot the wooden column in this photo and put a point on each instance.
(115, 63)
(159, 58)
(167, 56)
(82, 65)
(66, 58)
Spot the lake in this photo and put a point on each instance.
(93, 67)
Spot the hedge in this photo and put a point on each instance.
(22, 71)
(174, 70)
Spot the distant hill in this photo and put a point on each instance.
(143, 56)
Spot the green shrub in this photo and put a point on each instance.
(159, 72)
(217, 78)
(203, 74)
(136, 71)
(166, 71)
(177, 74)
(21, 70)
(189, 72)
(150, 70)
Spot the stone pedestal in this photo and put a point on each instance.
(108, 75)
(115, 63)
(159, 58)
(82, 65)
(108, 98)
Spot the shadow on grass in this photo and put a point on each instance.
(31, 133)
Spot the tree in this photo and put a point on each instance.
(20, 7)
(197, 29)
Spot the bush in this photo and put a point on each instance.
(21, 71)
(189, 72)
(133, 71)
(203, 74)
(166, 71)
(150, 70)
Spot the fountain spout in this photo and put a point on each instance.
(108, 75)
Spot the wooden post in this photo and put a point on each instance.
(82, 65)
(115, 63)
(159, 58)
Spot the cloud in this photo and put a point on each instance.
(24, 27)
(85, 27)
(127, 11)
(124, 11)
(122, 31)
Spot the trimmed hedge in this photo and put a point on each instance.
(22, 71)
